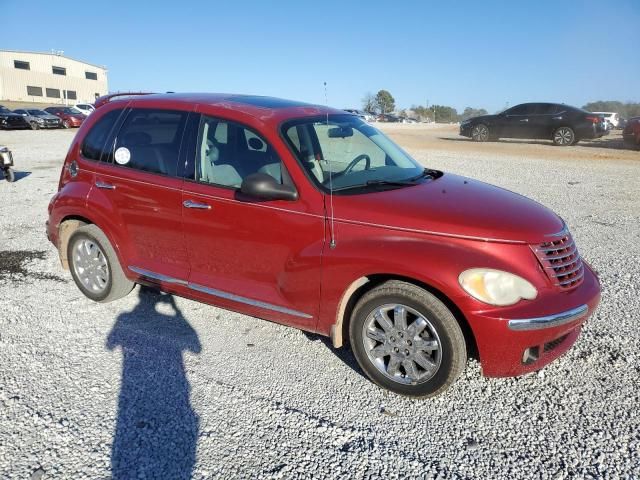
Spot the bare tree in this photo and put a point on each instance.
(369, 103)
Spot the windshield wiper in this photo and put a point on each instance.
(376, 183)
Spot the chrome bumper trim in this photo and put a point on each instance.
(549, 321)
(218, 293)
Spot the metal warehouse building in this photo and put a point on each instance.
(49, 78)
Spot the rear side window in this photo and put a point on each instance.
(149, 140)
(546, 108)
(524, 109)
(94, 146)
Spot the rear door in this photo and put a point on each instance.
(261, 257)
(543, 121)
(138, 181)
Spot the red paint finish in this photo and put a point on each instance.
(272, 259)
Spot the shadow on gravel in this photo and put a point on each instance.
(156, 429)
(344, 353)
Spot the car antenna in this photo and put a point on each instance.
(332, 243)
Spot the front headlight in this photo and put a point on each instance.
(496, 287)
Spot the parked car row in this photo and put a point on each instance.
(50, 117)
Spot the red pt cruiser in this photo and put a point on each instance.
(310, 217)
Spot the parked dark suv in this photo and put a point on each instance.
(563, 124)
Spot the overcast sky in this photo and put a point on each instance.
(480, 54)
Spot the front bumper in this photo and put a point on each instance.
(465, 130)
(531, 335)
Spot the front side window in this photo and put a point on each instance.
(524, 109)
(151, 140)
(228, 152)
(93, 146)
(343, 152)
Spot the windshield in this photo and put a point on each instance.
(345, 153)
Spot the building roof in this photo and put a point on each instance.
(54, 55)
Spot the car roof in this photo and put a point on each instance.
(262, 107)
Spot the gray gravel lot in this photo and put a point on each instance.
(155, 386)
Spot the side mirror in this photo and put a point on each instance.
(263, 186)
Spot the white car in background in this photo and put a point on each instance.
(85, 108)
(612, 118)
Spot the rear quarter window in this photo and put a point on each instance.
(93, 146)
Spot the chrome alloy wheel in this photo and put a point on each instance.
(90, 265)
(563, 136)
(402, 344)
(480, 133)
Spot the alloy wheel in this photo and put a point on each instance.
(402, 344)
(563, 136)
(480, 133)
(90, 265)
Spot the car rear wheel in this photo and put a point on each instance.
(564, 136)
(66, 124)
(480, 133)
(95, 267)
(406, 340)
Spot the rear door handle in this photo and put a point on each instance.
(192, 204)
(106, 186)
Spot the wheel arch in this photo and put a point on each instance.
(69, 224)
(360, 286)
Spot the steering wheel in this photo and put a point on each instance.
(357, 160)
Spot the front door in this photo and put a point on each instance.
(517, 121)
(139, 182)
(258, 257)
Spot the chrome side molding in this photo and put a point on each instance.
(549, 321)
(217, 293)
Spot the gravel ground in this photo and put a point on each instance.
(155, 386)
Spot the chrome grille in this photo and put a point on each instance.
(561, 261)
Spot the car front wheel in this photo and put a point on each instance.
(564, 136)
(480, 133)
(406, 340)
(65, 124)
(95, 267)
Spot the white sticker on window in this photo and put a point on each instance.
(122, 155)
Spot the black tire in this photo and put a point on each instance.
(10, 175)
(443, 329)
(65, 124)
(480, 133)
(117, 284)
(563, 136)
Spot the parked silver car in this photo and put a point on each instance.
(39, 118)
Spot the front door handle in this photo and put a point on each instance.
(192, 204)
(106, 186)
(524, 120)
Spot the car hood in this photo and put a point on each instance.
(481, 118)
(453, 206)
